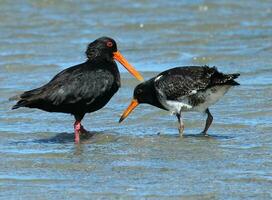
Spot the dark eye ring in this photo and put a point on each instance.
(109, 44)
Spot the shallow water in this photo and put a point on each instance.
(131, 160)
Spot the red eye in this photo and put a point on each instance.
(109, 44)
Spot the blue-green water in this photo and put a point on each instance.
(130, 160)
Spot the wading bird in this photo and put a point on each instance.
(183, 89)
(83, 88)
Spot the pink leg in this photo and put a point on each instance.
(77, 128)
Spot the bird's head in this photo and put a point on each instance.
(143, 93)
(106, 48)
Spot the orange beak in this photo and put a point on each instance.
(134, 103)
(121, 59)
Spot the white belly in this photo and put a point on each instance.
(212, 95)
(197, 102)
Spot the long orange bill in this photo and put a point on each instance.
(134, 103)
(120, 58)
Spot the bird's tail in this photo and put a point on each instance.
(233, 76)
(230, 79)
(27, 98)
(20, 103)
(219, 78)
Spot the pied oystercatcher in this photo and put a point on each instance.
(183, 89)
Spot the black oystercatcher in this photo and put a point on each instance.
(184, 89)
(83, 88)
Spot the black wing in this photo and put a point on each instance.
(179, 82)
(78, 84)
(84, 87)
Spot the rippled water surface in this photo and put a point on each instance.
(132, 161)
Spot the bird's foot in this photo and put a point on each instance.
(181, 129)
(83, 130)
(204, 133)
(84, 133)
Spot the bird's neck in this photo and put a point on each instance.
(105, 64)
(100, 58)
(155, 101)
(152, 96)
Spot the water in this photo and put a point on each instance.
(131, 161)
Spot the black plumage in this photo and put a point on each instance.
(83, 88)
(182, 89)
(181, 81)
(77, 90)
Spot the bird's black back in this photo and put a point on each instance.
(182, 81)
(83, 88)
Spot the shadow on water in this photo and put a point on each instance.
(66, 138)
(100, 137)
(208, 136)
(63, 138)
(200, 136)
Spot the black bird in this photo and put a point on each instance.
(183, 89)
(83, 88)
